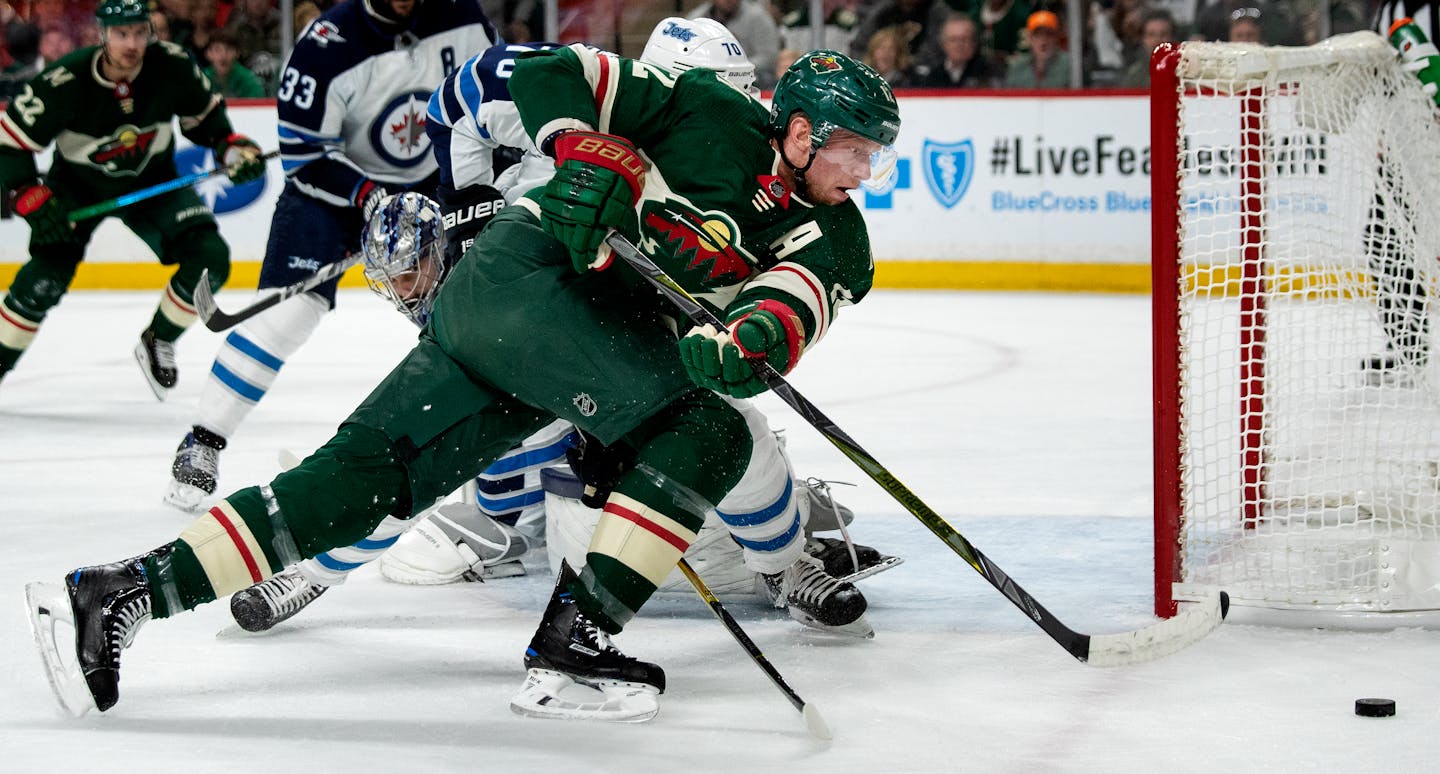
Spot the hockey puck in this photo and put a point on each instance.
(1375, 708)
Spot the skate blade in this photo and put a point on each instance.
(53, 625)
(555, 695)
(859, 628)
(185, 497)
(143, 358)
(885, 563)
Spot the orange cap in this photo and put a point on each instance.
(1400, 23)
(1042, 19)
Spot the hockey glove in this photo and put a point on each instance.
(597, 182)
(49, 224)
(242, 159)
(598, 467)
(722, 360)
(368, 197)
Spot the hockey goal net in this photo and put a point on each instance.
(1296, 227)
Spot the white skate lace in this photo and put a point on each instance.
(205, 459)
(163, 353)
(126, 623)
(820, 489)
(598, 638)
(287, 593)
(810, 584)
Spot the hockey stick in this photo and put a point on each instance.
(1144, 644)
(217, 320)
(813, 720)
(110, 205)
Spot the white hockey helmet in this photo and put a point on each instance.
(404, 250)
(683, 44)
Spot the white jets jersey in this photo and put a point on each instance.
(353, 94)
(471, 116)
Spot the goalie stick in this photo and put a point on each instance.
(814, 722)
(1144, 644)
(217, 321)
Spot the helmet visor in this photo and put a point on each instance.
(873, 163)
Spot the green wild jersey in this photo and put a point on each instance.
(714, 213)
(110, 138)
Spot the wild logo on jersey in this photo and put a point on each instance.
(127, 151)
(399, 134)
(704, 241)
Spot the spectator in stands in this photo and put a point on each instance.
(22, 43)
(55, 43)
(254, 25)
(160, 24)
(1045, 66)
(202, 27)
(963, 66)
(1001, 22)
(230, 78)
(841, 22)
(751, 24)
(1157, 27)
(1245, 26)
(1278, 27)
(888, 53)
(911, 17)
(784, 59)
(307, 12)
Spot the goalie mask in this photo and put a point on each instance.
(404, 246)
(684, 44)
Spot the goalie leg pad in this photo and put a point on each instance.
(556, 695)
(456, 543)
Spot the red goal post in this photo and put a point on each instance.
(1296, 229)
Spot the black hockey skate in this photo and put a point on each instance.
(816, 599)
(106, 605)
(157, 363)
(835, 555)
(273, 600)
(575, 671)
(196, 469)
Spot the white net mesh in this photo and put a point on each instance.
(1309, 395)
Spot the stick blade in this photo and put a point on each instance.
(205, 305)
(1161, 639)
(815, 722)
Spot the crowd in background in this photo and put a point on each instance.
(937, 44)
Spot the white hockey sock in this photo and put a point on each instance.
(762, 511)
(332, 567)
(250, 359)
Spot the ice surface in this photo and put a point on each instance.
(1023, 418)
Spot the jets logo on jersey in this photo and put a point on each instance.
(708, 240)
(324, 33)
(399, 133)
(128, 150)
(824, 64)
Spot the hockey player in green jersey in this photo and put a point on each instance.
(108, 109)
(747, 208)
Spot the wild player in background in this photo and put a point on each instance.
(471, 119)
(532, 328)
(108, 109)
(351, 109)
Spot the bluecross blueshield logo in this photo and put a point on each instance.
(949, 166)
(218, 193)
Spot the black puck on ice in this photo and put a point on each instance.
(1375, 708)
